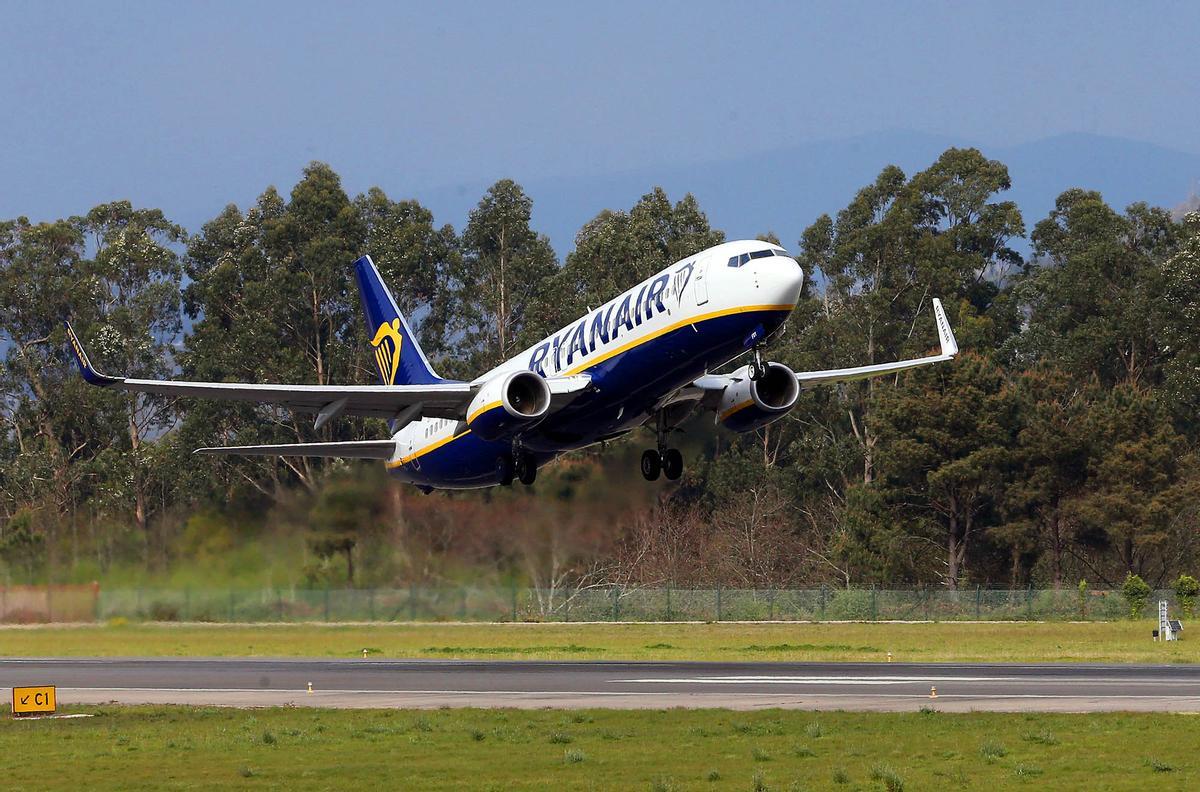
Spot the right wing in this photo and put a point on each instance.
(949, 348)
(708, 390)
(355, 449)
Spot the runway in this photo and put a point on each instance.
(435, 683)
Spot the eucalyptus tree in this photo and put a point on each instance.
(503, 273)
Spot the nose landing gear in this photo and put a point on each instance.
(758, 369)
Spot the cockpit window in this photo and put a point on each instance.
(738, 261)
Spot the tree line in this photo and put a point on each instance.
(1060, 445)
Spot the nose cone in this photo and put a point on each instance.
(786, 278)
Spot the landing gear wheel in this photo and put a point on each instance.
(526, 468)
(758, 369)
(672, 464)
(504, 470)
(651, 464)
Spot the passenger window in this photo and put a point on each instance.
(733, 261)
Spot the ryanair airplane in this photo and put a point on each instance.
(644, 358)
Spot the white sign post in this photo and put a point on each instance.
(1164, 623)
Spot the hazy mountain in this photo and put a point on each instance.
(785, 190)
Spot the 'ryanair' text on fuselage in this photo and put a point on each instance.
(605, 325)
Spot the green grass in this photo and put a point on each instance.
(203, 748)
(1114, 642)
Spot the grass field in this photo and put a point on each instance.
(1115, 642)
(178, 747)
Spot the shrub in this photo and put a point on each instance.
(850, 605)
(1159, 766)
(1043, 737)
(1136, 593)
(890, 779)
(991, 751)
(1187, 588)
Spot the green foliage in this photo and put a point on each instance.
(1136, 593)
(1187, 588)
(1082, 588)
(1062, 442)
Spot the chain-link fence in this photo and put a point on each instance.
(512, 604)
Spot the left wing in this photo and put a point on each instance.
(402, 403)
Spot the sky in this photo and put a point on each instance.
(188, 106)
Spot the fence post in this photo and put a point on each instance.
(824, 597)
(874, 605)
(462, 603)
(279, 603)
(137, 603)
(978, 602)
(327, 600)
(771, 604)
(230, 605)
(95, 602)
(412, 602)
(1029, 603)
(616, 603)
(514, 601)
(668, 601)
(718, 602)
(567, 606)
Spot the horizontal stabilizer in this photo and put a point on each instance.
(357, 449)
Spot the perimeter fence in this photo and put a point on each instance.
(31, 604)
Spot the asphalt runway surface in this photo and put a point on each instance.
(435, 683)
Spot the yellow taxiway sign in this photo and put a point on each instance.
(39, 700)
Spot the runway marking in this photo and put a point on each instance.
(882, 680)
(562, 693)
(818, 680)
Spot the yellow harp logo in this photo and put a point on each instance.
(387, 344)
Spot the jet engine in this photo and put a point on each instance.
(749, 404)
(508, 403)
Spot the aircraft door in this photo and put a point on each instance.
(701, 281)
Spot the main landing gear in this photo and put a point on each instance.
(667, 461)
(520, 465)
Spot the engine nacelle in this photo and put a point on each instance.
(749, 404)
(508, 403)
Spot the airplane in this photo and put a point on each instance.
(646, 357)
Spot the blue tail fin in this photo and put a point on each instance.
(397, 355)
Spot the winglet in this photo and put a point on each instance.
(945, 334)
(90, 375)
